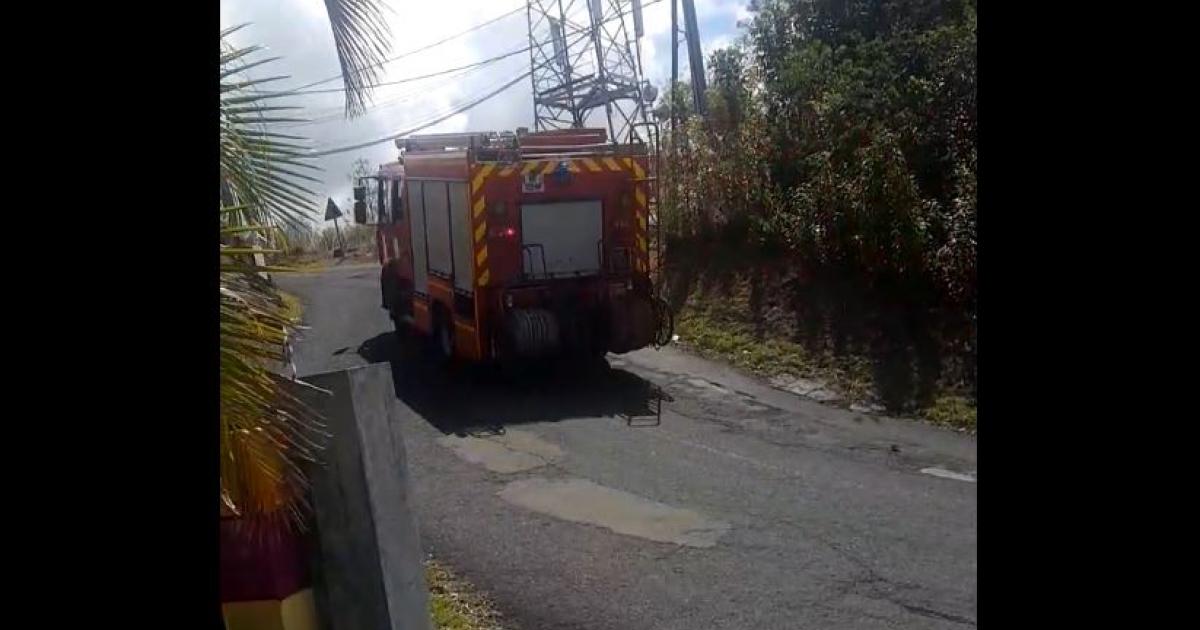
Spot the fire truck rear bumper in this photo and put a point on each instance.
(623, 325)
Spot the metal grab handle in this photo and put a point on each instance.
(608, 264)
(528, 249)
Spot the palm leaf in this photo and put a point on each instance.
(361, 37)
(265, 430)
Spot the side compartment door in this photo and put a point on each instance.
(437, 229)
(400, 230)
(460, 229)
(416, 212)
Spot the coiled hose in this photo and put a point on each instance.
(533, 332)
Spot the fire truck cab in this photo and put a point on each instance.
(517, 246)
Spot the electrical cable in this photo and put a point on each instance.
(421, 49)
(458, 110)
(442, 118)
(416, 78)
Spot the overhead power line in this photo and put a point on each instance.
(414, 51)
(337, 113)
(442, 118)
(419, 77)
(458, 110)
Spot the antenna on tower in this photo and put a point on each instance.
(584, 60)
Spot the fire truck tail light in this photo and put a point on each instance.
(504, 232)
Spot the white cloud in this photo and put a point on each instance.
(298, 30)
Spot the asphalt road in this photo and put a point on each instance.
(746, 507)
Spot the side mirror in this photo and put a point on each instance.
(360, 211)
(360, 193)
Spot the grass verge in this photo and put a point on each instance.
(292, 306)
(455, 605)
(308, 262)
(711, 332)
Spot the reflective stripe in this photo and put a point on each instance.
(484, 171)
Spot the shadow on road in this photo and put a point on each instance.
(467, 399)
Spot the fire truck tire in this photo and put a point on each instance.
(387, 285)
(443, 336)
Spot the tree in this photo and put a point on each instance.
(265, 431)
(843, 131)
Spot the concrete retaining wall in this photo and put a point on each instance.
(367, 568)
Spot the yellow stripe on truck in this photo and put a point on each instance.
(591, 165)
(480, 231)
(484, 171)
(480, 204)
(529, 166)
(611, 164)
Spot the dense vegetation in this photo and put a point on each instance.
(840, 137)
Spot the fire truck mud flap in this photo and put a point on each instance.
(631, 325)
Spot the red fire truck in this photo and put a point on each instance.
(517, 246)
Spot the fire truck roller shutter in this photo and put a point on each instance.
(437, 228)
(460, 227)
(416, 208)
(568, 233)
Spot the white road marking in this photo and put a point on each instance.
(948, 474)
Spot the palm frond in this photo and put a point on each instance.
(265, 430)
(362, 39)
(250, 151)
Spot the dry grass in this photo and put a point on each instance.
(314, 264)
(731, 341)
(706, 328)
(293, 308)
(455, 605)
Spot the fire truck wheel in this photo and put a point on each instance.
(443, 342)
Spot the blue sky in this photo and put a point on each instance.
(298, 31)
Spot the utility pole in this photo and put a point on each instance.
(674, 111)
(695, 56)
(674, 57)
